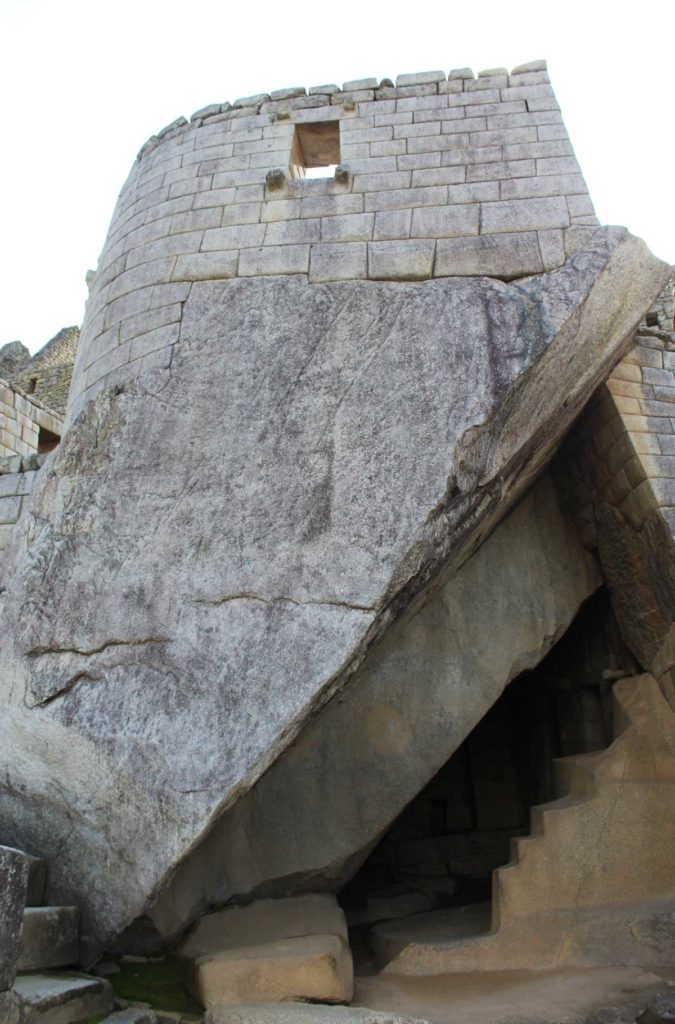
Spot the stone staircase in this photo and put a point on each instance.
(563, 899)
(36, 943)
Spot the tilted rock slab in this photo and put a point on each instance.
(213, 548)
(314, 816)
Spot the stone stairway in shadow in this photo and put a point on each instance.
(37, 945)
(593, 882)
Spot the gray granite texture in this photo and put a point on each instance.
(213, 548)
(13, 888)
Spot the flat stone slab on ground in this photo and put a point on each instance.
(299, 1013)
(62, 998)
(132, 1015)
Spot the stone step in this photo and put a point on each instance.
(49, 938)
(63, 998)
(574, 775)
(439, 927)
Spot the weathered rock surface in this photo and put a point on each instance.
(315, 967)
(661, 1010)
(10, 1008)
(13, 887)
(283, 1013)
(212, 551)
(406, 710)
(265, 921)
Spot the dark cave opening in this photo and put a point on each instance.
(442, 849)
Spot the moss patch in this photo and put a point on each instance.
(162, 983)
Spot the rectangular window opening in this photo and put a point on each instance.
(316, 150)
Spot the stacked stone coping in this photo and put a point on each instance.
(21, 417)
(441, 175)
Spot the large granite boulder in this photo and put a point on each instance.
(213, 549)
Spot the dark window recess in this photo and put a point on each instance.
(316, 150)
(47, 441)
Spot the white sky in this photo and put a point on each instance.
(84, 84)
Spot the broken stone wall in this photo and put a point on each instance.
(441, 176)
(46, 376)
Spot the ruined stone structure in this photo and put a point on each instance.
(362, 518)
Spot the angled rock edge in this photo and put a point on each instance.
(213, 550)
(403, 713)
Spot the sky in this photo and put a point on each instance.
(84, 84)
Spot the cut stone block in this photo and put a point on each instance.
(49, 938)
(13, 887)
(61, 998)
(506, 256)
(263, 922)
(316, 967)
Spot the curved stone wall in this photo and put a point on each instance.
(439, 176)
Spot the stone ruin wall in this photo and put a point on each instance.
(21, 419)
(439, 176)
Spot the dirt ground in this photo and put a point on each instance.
(540, 997)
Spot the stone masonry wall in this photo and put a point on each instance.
(17, 477)
(619, 462)
(439, 176)
(20, 420)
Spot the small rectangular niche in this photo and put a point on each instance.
(316, 150)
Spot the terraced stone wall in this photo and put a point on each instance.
(438, 175)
